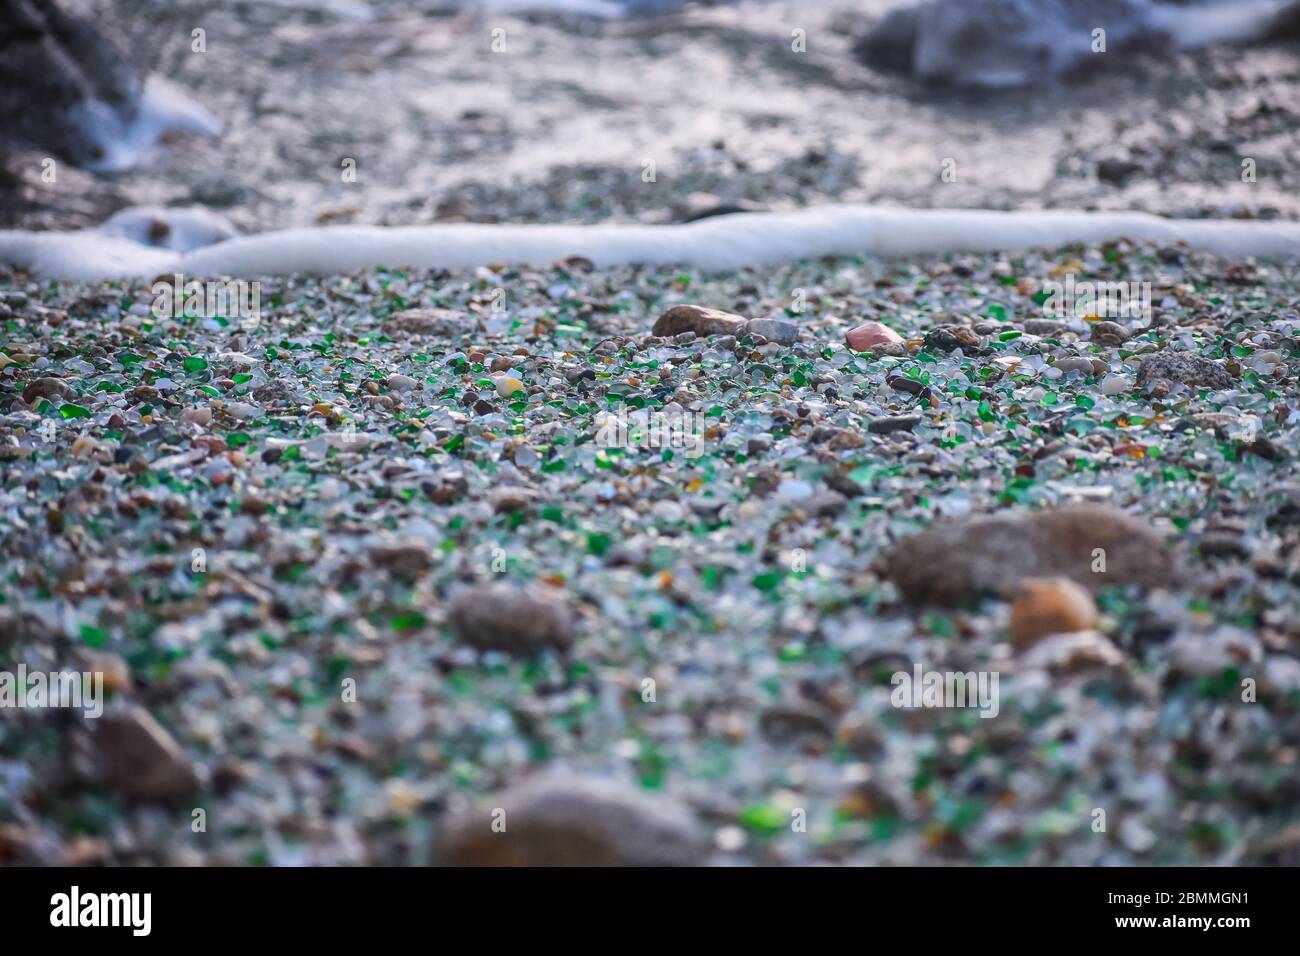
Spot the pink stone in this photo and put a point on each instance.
(869, 335)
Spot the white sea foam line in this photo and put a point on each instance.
(1221, 23)
(716, 244)
(602, 9)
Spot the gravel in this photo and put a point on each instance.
(351, 590)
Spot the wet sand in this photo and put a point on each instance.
(560, 125)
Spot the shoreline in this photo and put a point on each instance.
(716, 244)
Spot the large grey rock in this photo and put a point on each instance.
(138, 757)
(516, 621)
(774, 330)
(962, 558)
(445, 323)
(1183, 369)
(698, 319)
(573, 821)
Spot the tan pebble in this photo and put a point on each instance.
(403, 799)
(215, 444)
(197, 415)
(84, 447)
(116, 673)
(1050, 606)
